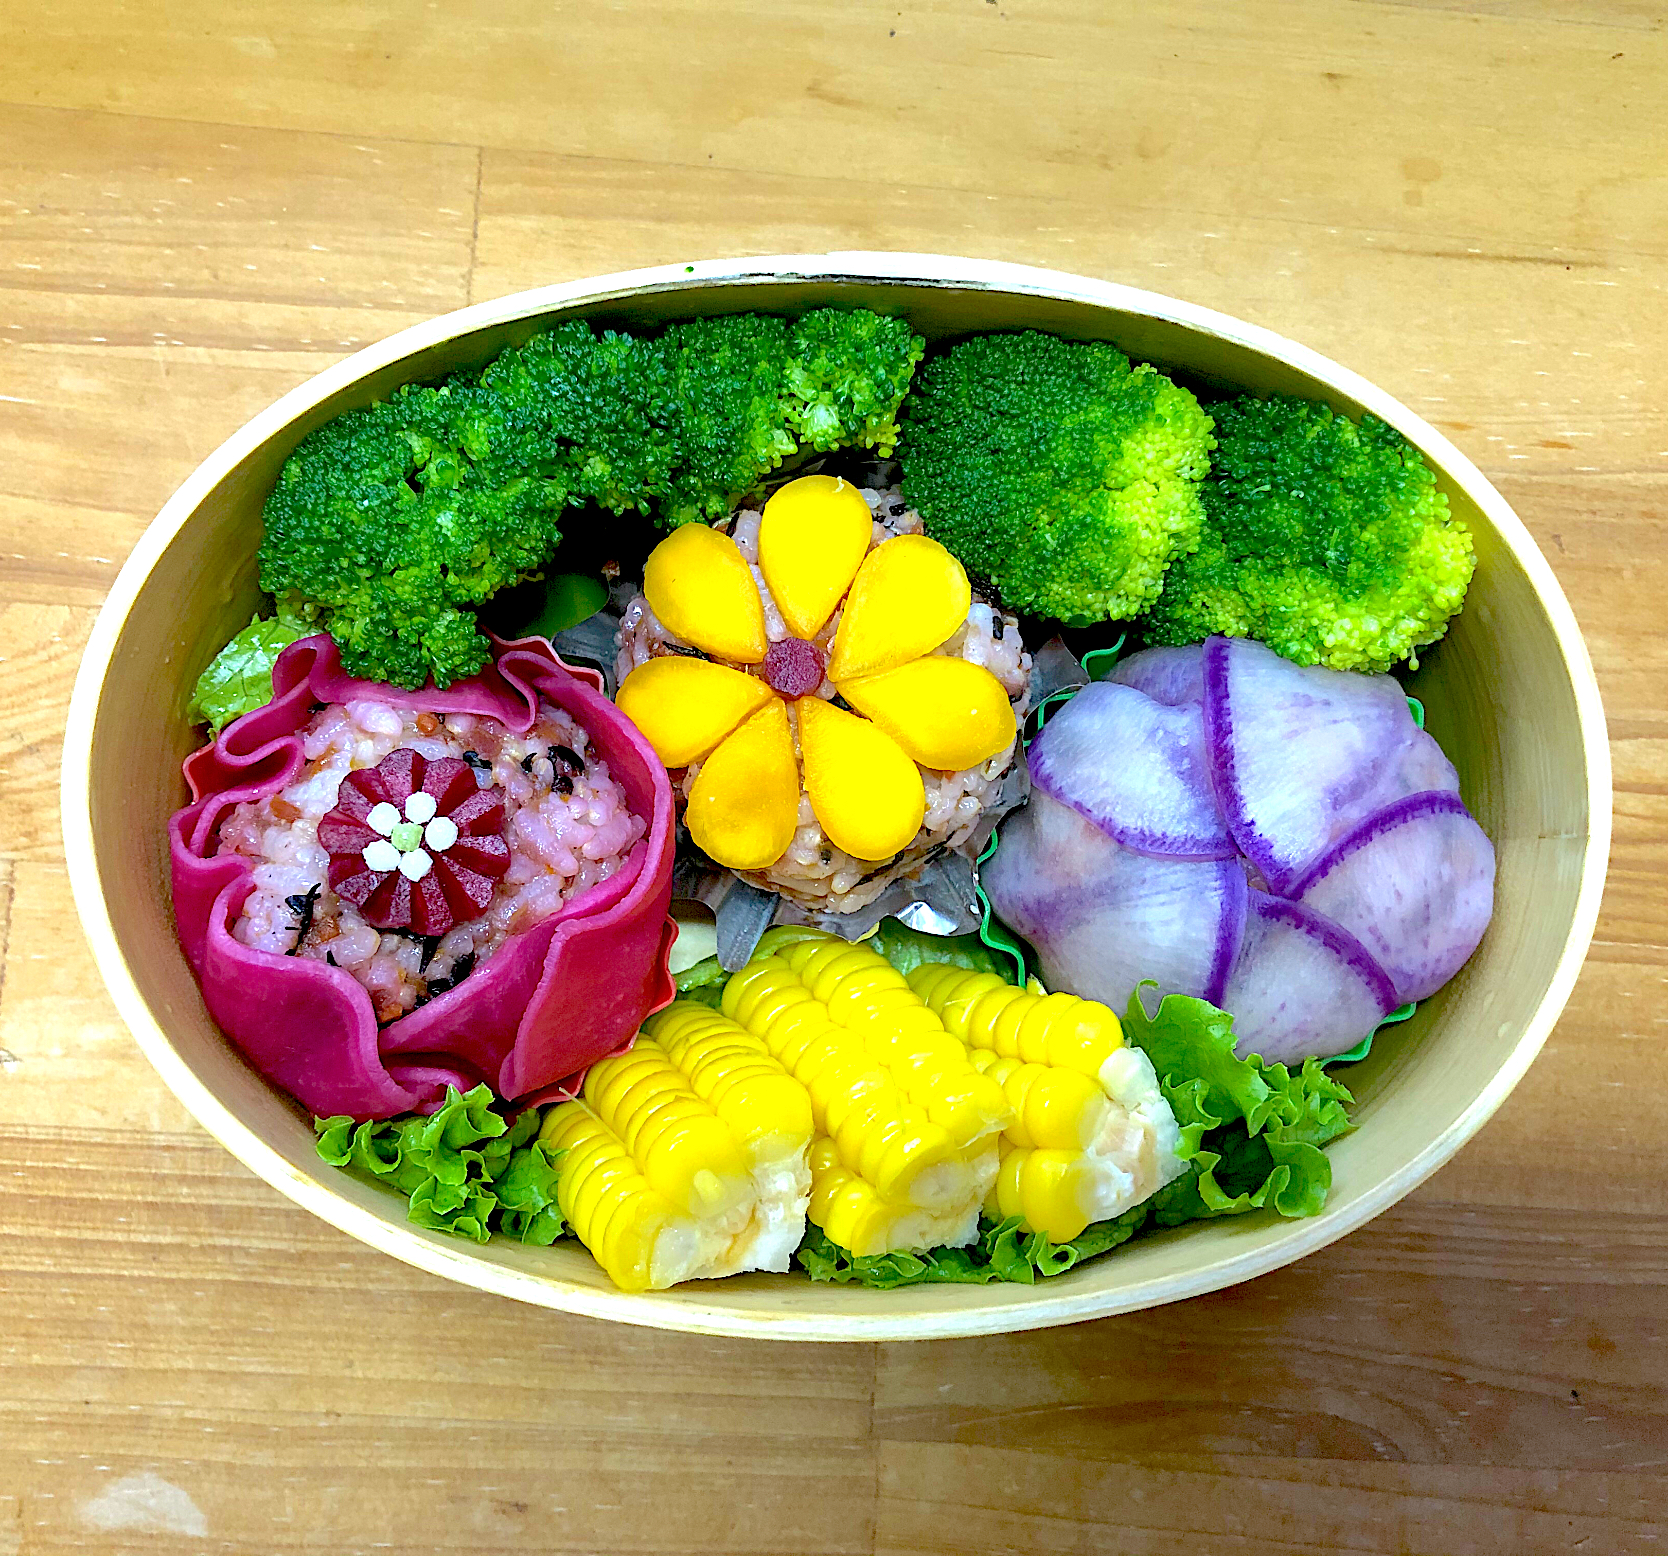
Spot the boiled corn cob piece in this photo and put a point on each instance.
(866, 995)
(686, 1168)
(911, 1125)
(768, 1111)
(881, 1136)
(853, 1215)
(1092, 1135)
(984, 1011)
(683, 1148)
(1052, 1191)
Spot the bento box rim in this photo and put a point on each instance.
(1031, 1307)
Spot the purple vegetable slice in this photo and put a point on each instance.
(1173, 676)
(1135, 768)
(1103, 918)
(1302, 755)
(1301, 985)
(1414, 883)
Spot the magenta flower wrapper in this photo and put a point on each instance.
(548, 1003)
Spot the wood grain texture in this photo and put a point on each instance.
(202, 204)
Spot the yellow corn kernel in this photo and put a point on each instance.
(731, 1070)
(846, 1206)
(609, 1204)
(1053, 1107)
(850, 1212)
(865, 994)
(1054, 1029)
(1052, 1192)
(684, 1149)
(880, 1134)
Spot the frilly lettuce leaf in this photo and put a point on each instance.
(239, 677)
(1003, 1252)
(1251, 1131)
(462, 1169)
(906, 949)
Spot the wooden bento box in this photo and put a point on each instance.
(1509, 692)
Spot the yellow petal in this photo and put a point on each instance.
(944, 712)
(814, 534)
(744, 806)
(698, 585)
(909, 595)
(685, 706)
(867, 794)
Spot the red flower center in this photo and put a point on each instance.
(793, 667)
(416, 844)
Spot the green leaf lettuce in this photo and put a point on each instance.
(239, 678)
(1003, 1252)
(906, 949)
(463, 1169)
(1252, 1132)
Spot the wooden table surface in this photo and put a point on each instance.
(204, 202)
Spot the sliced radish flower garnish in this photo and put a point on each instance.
(1134, 767)
(1301, 986)
(1302, 755)
(1414, 883)
(1169, 675)
(1104, 918)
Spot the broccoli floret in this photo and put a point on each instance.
(1327, 540)
(388, 523)
(591, 410)
(725, 420)
(848, 372)
(1057, 470)
(383, 527)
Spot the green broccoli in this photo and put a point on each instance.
(848, 372)
(1327, 540)
(748, 389)
(1057, 470)
(385, 528)
(589, 410)
(724, 417)
(389, 523)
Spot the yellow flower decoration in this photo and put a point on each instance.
(730, 711)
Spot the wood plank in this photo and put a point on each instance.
(979, 1502)
(64, 1052)
(168, 1315)
(1366, 1399)
(1516, 396)
(1312, 105)
(40, 647)
(160, 283)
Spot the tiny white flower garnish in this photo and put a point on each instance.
(415, 865)
(383, 818)
(381, 855)
(441, 833)
(420, 807)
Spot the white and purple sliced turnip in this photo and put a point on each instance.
(1284, 842)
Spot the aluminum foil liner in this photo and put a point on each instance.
(941, 897)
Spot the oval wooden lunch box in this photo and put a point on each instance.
(1510, 695)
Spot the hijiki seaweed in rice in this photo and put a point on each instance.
(566, 822)
(813, 870)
